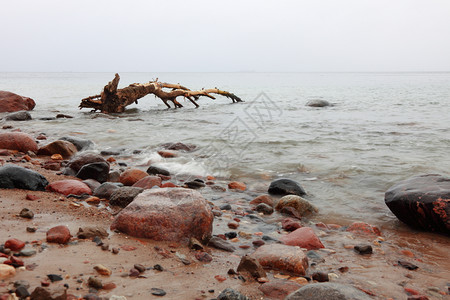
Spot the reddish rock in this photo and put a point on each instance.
(168, 185)
(363, 228)
(10, 102)
(301, 206)
(52, 165)
(174, 214)
(233, 225)
(290, 224)
(284, 258)
(17, 141)
(303, 237)
(235, 185)
(69, 186)
(148, 182)
(59, 234)
(14, 261)
(82, 159)
(262, 199)
(31, 197)
(278, 288)
(14, 244)
(203, 256)
(131, 176)
(167, 154)
(64, 148)
(179, 146)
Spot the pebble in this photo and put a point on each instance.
(115, 250)
(134, 272)
(54, 277)
(231, 235)
(203, 257)
(320, 277)
(158, 268)
(26, 213)
(102, 270)
(157, 292)
(27, 252)
(140, 268)
(333, 276)
(31, 229)
(22, 292)
(407, 265)
(95, 283)
(220, 278)
(14, 245)
(363, 249)
(233, 225)
(264, 208)
(225, 207)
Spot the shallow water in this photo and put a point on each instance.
(382, 128)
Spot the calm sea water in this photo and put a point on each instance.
(382, 128)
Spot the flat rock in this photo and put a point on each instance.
(15, 177)
(148, 182)
(124, 195)
(422, 202)
(318, 103)
(18, 116)
(89, 232)
(279, 289)
(69, 186)
(302, 206)
(20, 141)
(168, 214)
(286, 186)
(80, 144)
(10, 102)
(98, 171)
(303, 237)
(64, 148)
(221, 244)
(328, 290)
(284, 258)
(363, 228)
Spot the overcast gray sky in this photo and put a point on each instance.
(208, 36)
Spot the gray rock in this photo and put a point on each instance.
(80, 143)
(152, 170)
(286, 186)
(90, 232)
(221, 244)
(318, 103)
(264, 208)
(26, 213)
(18, 116)
(15, 177)
(124, 195)
(105, 190)
(230, 294)
(328, 290)
(98, 171)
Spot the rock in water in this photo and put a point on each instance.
(318, 103)
(302, 206)
(328, 290)
(422, 202)
(82, 159)
(15, 177)
(10, 102)
(98, 171)
(66, 149)
(285, 258)
(286, 186)
(153, 170)
(168, 214)
(303, 237)
(81, 144)
(252, 266)
(18, 116)
(17, 141)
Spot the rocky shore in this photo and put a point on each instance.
(78, 224)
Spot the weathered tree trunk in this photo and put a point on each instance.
(113, 100)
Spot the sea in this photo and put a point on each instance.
(379, 129)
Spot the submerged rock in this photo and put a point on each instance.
(153, 170)
(301, 206)
(317, 103)
(422, 202)
(105, 190)
(81, 159)
(148, 182)
(17, 141)
(303, 237)
(80, 143)
(328, 290)
(278, 288)
(10, 102)
(174, 214)
(18, 116)
(284, 258)
(286, 186)
(15, 177)
(179, 146)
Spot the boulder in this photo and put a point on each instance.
(98, 171)
(82, 159)
(317, 103)
(131, 176)
(81, 144)
(302, 206)
(10, 102)
(66, 149)
(179, 146)
(328, 290)
(279, 288)
(15, 177)
(105, 190)
(59, 234)
(169, 214)
(152, 170)
(18, 116)
(124, 195)
(285, 186)
(303, 237)
(422, 202)
(148, 182)
(283, 258)
(17, 141)
(69, 186)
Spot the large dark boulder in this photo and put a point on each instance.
(81, 144)
(328, 290)
(422, 202)
(98, 171)
(286, 186)
(10, 102)
(15, 177)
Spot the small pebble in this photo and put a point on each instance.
(140, 268)
(158, 292)
(31, 229)
(26, 213)
(363, 249)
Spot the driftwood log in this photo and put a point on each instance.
(114, 100)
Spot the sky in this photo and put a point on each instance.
(225, 36)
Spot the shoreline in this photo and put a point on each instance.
(378, 274)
